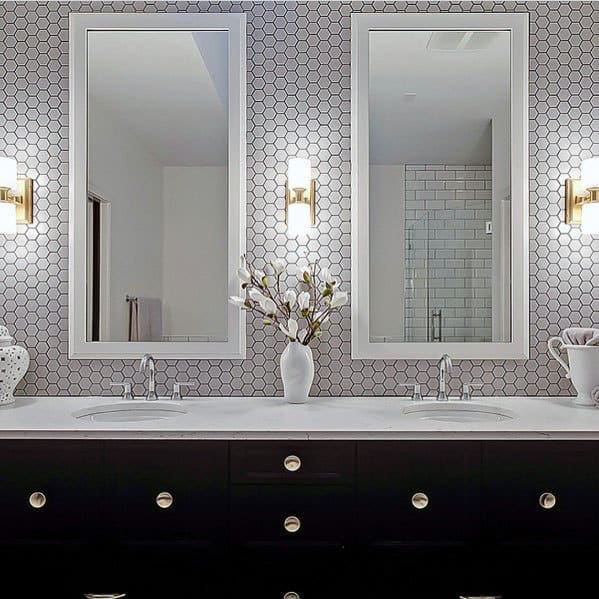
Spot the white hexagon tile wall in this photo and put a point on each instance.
(298, 99)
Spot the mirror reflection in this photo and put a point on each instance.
(157, 185)
(439, 186)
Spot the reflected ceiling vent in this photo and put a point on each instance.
(461, 41)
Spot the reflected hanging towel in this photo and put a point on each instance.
(145, 316)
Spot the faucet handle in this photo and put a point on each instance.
(416, 393)
(126, 387)
(467, 390)
(177, 395)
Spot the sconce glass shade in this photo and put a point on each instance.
(298, 219)
(8, 172)
(589, 173)
(590, 219)
(299, 173)
(8, 218)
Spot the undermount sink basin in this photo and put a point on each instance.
(130, 411)
(457, 411)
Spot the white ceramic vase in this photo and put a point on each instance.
(14, 362)
(297, 372)
(582, 368)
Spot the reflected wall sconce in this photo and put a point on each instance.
(16, 197)
(582, 198)
(300, 197)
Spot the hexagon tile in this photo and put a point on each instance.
(298, 102)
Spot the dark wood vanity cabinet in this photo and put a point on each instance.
(300, 520)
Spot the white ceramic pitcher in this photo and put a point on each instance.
(582, 367)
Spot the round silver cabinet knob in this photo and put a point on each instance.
(292, 463)
(37, 500)
(291, 595)
(164, 500)
(292, 524)
(547, 501)
(420, 500)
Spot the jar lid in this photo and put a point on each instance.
(5, 339)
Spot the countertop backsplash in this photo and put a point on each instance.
(298, 85)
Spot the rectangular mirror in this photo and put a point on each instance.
(157, 184)
(440, 204)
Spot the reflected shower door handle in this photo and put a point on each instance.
(436, 325)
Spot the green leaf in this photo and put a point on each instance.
(307, 277)
(264, 281)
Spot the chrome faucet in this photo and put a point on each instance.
(445, 367)
(147, 364)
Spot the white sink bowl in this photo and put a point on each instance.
(130, 411)
(457, 411)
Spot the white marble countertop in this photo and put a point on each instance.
(320, 418)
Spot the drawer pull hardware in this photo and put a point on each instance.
(37, 500)
(547, 500)
(419, 500)
(104, 595)
(291, 595)
(292, 524)
(292, 463)
(164, 500)
(480, 597)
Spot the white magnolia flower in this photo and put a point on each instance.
(290, 297)
(256, 296)
(301, 336)
(300, 270)
(291, 330)
(244, 274)
(339, 299)
(269, 306)
(237, 301)
(259, 275)
(327, 277)
(278, 266)
(303, 300)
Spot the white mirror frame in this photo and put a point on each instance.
(362, 347)
(80, 24)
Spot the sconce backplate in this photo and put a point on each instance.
(24, 201)
(574, 202)
(311, 200)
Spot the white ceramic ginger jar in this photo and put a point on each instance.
(14, 362)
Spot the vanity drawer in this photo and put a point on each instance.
(291, 516)
(520, 476)
(413, 493)
(167, 491)
(289, 462)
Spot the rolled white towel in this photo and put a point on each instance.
(580, 336)
(595, 395)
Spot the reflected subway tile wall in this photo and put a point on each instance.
(298, 101)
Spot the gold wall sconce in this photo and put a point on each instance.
(582, 198)
(16, 197)
(300, 197)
